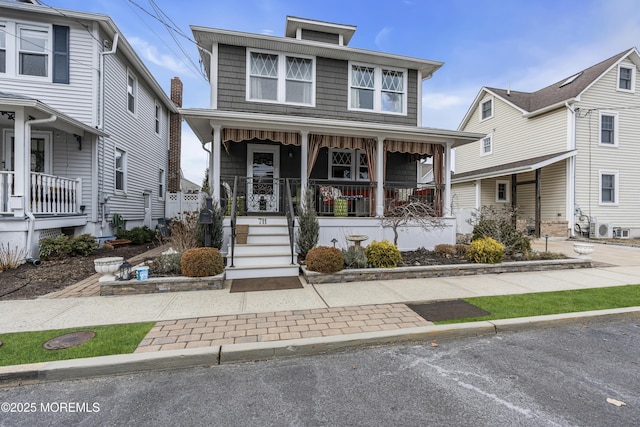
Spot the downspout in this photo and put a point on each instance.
(572, 172)
(102, 199)
(30, 218)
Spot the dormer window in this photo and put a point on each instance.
(280, 78)
(626, 78)
(377, 89)
(486, 110)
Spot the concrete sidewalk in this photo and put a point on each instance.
(326, 313)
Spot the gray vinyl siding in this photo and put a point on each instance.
(593, 158)
(332, 88)
(320, 36)
(514, 137)
(146, 152)
(76, 99)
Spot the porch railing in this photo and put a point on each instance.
(234, 197)
(291, 215)
(49, 194)
(398, 194)
(343, 199)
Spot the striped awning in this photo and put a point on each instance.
(239, 135)
(410, 147)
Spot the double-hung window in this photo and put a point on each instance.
(626, 78)
(132, 92)
(609, 128)
(33, 51)
(285, 79)
(608, 187)
(3, 48)
(486, 110)
(158, 117)
(348, 164)
(121, 169)
(377, 89)
(486, 145)
(161, 184)
(502, 191)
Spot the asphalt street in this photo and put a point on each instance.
(559, 376)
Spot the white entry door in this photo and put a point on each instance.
(263, 171)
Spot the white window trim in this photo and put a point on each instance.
(355, 163)
(615, 128)
(486, 153)
(633, 78)
(135, 93)
(12, 49)
(377, 89)
(124, 172)
(484, 101)
(282, 78)
(157, 119)
(616, 189)
(507, 191)
(162, 182)
(48, 149)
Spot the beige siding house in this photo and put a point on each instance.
(565, 156)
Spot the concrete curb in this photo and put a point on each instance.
(235, 353)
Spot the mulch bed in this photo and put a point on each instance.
(447, 310)
(265, 284)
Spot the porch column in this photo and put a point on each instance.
(380, 177)
(304, 154)
(21, 164)
(447, 181)
(214, 162)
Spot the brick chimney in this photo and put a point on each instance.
(175, 138)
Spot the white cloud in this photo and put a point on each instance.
(193, 159)
(150, 52)
(382, 39)
(267, 32)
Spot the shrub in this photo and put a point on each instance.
(201, 262)
(11, 257)
(137, 235)
(83, 245)
(447, 251)
(383, 254)
(461, 249)
(485, 251)
(54, 247)
(325, 259)
(354, 257)
(309, 228)
(499, 224)
(167, 264)
(185, 232)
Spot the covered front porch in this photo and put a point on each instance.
(47, 170)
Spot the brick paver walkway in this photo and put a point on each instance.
(277, 326)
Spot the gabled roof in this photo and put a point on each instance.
(556, 94)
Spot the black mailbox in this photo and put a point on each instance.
(206, 216)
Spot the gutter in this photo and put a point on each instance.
(549, 108)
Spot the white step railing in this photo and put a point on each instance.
(54, 194)
(6, 190)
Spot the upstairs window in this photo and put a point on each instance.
(486, 111)
(608, 128)
(3, 48)
(377, 89)
(33, 48)
(158, 116)
(280, 78)
(132, 92)
(626, 78)
(120, 170)
(486, 146)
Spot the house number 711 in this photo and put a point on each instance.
(262, 221)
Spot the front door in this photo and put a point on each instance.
(263, 171)
(40, 152)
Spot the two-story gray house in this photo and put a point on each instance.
(84, 127)
(312, 111)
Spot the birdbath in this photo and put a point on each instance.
(107, 266)
(583, 249)
(357, 238)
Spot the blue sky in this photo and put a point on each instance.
(522, 44)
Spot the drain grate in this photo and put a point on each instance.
(71, 339)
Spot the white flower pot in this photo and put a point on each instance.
(583, 249)
(107, 267)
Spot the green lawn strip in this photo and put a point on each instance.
(541, 303)
(26, 347)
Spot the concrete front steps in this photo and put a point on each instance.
(267, 252)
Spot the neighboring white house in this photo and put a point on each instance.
(84, 127)
(566, 155)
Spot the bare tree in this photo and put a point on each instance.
(411, 213)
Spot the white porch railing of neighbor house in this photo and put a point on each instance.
(6, 190)
(52, 194)
(178, 203)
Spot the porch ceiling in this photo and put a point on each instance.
(202, 122)
(40, 110)
(513, 167)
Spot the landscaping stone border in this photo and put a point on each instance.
(162, 284)
(364, 274)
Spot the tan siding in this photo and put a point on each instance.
(593, 158)
(463, 195)
(514, 137)
(553, 190)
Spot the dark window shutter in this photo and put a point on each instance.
(60, 54)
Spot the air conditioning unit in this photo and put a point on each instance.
(600, 230)
(620, 233)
